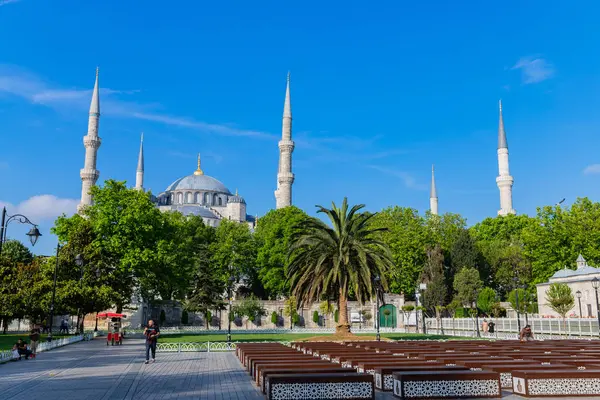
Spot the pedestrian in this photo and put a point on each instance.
(492, 326)
(151, 332)
(34, 338)
(484, 327)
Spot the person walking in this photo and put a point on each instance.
(34, 338)
(485, 327)
(151, 332)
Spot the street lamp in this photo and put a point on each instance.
(79, 263)
(578, 295)
(231, 280)
(423, 287)
(595, 285)
(50, 321)
(377, 285)
(33, 234)
(476, 314)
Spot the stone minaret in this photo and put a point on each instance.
(433, 198)
(504, 180)
(139, 173)
(89, 174)
(285, 177)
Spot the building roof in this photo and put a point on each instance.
(198, 182)
(190, 209)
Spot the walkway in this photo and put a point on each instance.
(92, 371)
(95, 372)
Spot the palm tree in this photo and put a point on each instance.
(332, 261)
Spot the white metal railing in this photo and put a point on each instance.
(207, 347)
(196, 329)
(6, 355)
(509, 327)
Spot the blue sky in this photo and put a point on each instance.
(379, 93)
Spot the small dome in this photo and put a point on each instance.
(236, 199)
(198, 182)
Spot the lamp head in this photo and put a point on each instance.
(34, 234)
(79, 260)
(578, 294)
(595, 283)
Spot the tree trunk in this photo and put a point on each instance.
(343, 327)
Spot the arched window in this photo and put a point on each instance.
(206, 199)
(215, 199)
(220, 201)
(188, 196)
(172, 198)
(197, 198)
(180, 198)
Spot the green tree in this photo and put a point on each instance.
(327, 309)
(560, 298)
(251, 308)
(334, 260)
(524, 299)
(486, 300)
(467, 285)
(290, 309)
(464, 254)
(274, 318)
(433, 276)
(404, 232)
(272, 236)
(16, 252)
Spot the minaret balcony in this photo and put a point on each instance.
(89, 174)
(286, 146)
(92, 141)
(505, 180)
(285, 177)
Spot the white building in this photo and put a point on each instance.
(579, 280)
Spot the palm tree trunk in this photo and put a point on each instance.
(343, 327)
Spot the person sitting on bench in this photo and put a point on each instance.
(526, 334)
(22, 349)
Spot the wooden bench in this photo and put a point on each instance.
(556, 383)
(384, 379)
(447, 384)
(505, 370)
(347, 386)
(313, 369)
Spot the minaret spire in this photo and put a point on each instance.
(199, 169)
(285, 177)
(89, 174)
(139, 173)
(504, 180)
(433, 198)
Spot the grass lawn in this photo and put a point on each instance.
(7, 341)
(275, 337)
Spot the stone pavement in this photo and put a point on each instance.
(92, 371)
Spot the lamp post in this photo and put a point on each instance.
(595, 285)
(79, 263)
(423, 287)
(231, 279)
(377, 283)
(578, 295)
(516, 280)
(34, 233)
(51, 319)
(476, 315)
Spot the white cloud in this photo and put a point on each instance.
(5, 2)
(408, 180)
(534, 69)
(592, 169)
(17, 82)
(42, 207)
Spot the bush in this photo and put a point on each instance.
(296, 319)
(274, 318)
(184, 317)
(316, 318)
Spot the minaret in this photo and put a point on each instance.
(433, 198)
(504, 180)
(139, 173)
(285, 177)
(89, 174)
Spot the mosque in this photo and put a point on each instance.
(195, 194)
(205, 196)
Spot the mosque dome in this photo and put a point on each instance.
(198, 182)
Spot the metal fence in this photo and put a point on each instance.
(509, 327)
(6, 355)
(200, 330)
